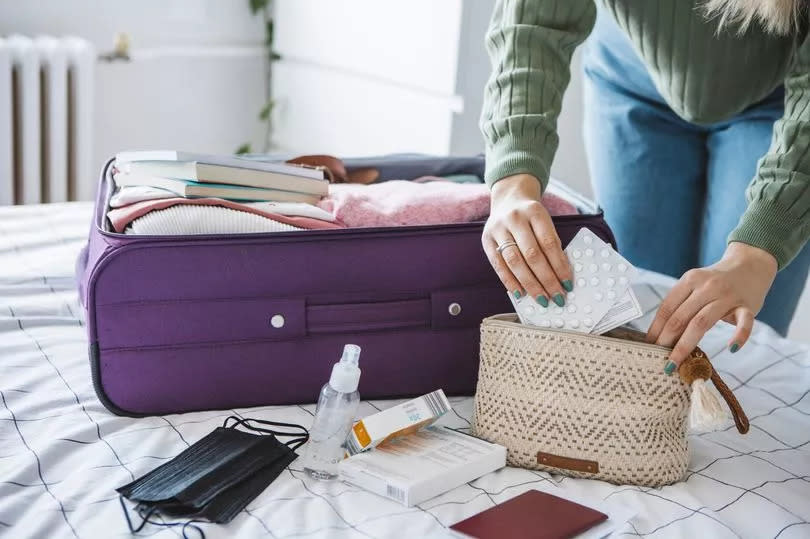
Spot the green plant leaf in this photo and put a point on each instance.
(257, 5)
(268, 32)
(244, 148)
(264, 114)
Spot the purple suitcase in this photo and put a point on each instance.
(178, 324)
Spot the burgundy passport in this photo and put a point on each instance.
(532, 515)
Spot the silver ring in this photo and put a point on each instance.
(506, 245)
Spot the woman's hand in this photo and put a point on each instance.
(535, 264)
(733, 290)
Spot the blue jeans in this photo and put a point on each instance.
(672, 191)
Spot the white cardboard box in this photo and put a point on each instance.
(420, 466)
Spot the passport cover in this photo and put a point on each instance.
(532, 515)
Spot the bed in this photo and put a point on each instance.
(62, 453)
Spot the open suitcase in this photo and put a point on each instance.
(178, 324)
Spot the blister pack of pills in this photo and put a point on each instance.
(602, 298)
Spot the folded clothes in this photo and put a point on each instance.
(138, 193)
(425, 201)
(301, 216)
(187, 220)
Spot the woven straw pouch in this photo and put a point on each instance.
(590, 406)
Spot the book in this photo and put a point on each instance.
(292, 169)
(531, 515)
(192, 189)
(222, 174)
(414, 468)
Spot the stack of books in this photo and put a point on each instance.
(193, 175)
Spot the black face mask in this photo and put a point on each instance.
(215, 478)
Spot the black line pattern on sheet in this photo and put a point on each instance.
(800, 523)
(328, 502)
(45, 485)
(767, 371)
(75, 396)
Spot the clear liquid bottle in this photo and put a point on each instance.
(334, 416)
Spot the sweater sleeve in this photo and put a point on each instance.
(530, 43)
(778, 215)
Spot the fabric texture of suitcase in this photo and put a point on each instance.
(179, 324)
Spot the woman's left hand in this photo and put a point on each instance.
(733, 290)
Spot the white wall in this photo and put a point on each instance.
(195, 81)
(363, 77)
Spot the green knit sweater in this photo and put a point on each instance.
(704, 76)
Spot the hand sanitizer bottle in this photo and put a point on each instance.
(334, 416)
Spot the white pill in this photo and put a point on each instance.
(572, 308)
(557, 310)
(598, 296)
(623, 280)
(577, 267)
(606, 266)
(558, 322)
(542, 310)
(587, 309)
(611, 294)
(605, 253)
(588, 322)
(577, 253)
(594, 281)
(610, 281)
(572, 296)
(588, 252)
(580, 282)
(594, 268)
(545, 323)
(588, 238)
(622, 267)
(573, 323)
(528, 309)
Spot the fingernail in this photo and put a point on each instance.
(542, 300)
(734, 347)
(669, 368)
(517, 294)
(559, 300)
(568, 285)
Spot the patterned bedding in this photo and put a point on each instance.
(62, 454)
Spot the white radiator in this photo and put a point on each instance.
(46, 119)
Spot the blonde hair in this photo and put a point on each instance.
(780, 17)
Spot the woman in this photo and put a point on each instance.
(698, 139)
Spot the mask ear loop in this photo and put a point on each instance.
(245, 422)
(297, 442)
(146, 515)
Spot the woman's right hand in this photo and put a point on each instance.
(536, 265)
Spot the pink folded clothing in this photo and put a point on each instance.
(426, 201)
(123, 216)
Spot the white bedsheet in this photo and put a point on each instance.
(62, 453)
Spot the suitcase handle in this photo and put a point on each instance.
(445, 309)
(376, 316)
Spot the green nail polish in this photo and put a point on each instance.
(542, 300)
(559, 300)
(568, 285)
(669, 368)
(517, 294)
(734, 347)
